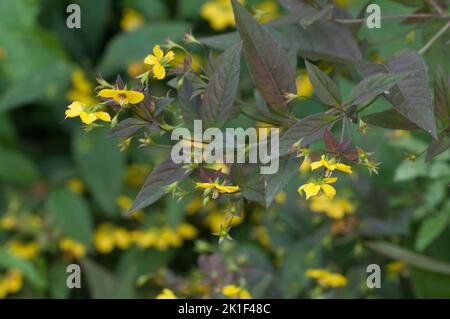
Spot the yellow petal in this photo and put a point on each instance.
(134, 97)
(169, 56)
(74, 109)
(159, 54)
(87, 118)
(316, 165)
(311, 190)
(151, 59)
(104, 116)
(159, 72)
(204, 185)
(344, 168)
(328, 190)
(330, 180)
(227, 189)
(108, 93)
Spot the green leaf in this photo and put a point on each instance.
(155, 185)
(101, 282)
(409, 170)
(153, 10)
(219, 99)
(101, 165)
(409, 257)
(128, 127)
(267, 61)
(17, 168)
(250, 180)
(308, 130)
(57, 277)
(26, 267)
(128, 47)
(373, 86)
(324, 87)
(411, 97)
(390, 119)
(72, 214)
(41, 83)
(430, 229)
(276, 182)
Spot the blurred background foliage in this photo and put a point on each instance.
(64, 192)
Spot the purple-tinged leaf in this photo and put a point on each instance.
(330, 141)
(324, 87)
(219, 101)
(267, 61)
(390, 119)
(439, 146)
(129, 126)
(411, 96)
(308, 130)
(155, 185)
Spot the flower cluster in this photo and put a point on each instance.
(327, 279)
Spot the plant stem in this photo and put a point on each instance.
(395, 17)
(434, 38)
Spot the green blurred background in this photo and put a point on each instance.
(64, 192)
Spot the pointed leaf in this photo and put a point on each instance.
(324, 87)
(373, 86)
(128, 127)
(439, 146)
(276, 182)
(411, 97)
(219, 100)
(430, 229)
(390, 119)
(267, 61)
(155, 185)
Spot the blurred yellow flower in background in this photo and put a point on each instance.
(7, 222)
(280, 198)
(103, 239)
(335, 208)
(76, 185)
(159, 61)
(343, 3)
(235, 292)
(304, 86)
(24, 250)
(166, 294)
(267, 11)
(72, 247)
(219, 14)
(131, 20)
(10, 283)
(327, 279)
(215, 219)
(395, 267)
(136, 174)
(178, 61)
(81, 89)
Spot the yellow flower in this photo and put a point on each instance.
(216, 218)
(219, 14)
(218, 187)
(136, 68)
(81, 89)
(313, 188)
(76, 185)
(335, 208)
(72, 247)
(187, 231)
(103, 239)
(123, 97)
(304, 86)
(232, 291)
(136, 174)
(7, 222)
(122, 237)
(326, 279)
(306, 165)
(331, 165)
(131, 20)
(280, 198)
(145, 239)
(79, 109)
(395, 267)
(268, 11)
(166, 294)
(26, 251)
(14, 281)
(159, 61)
